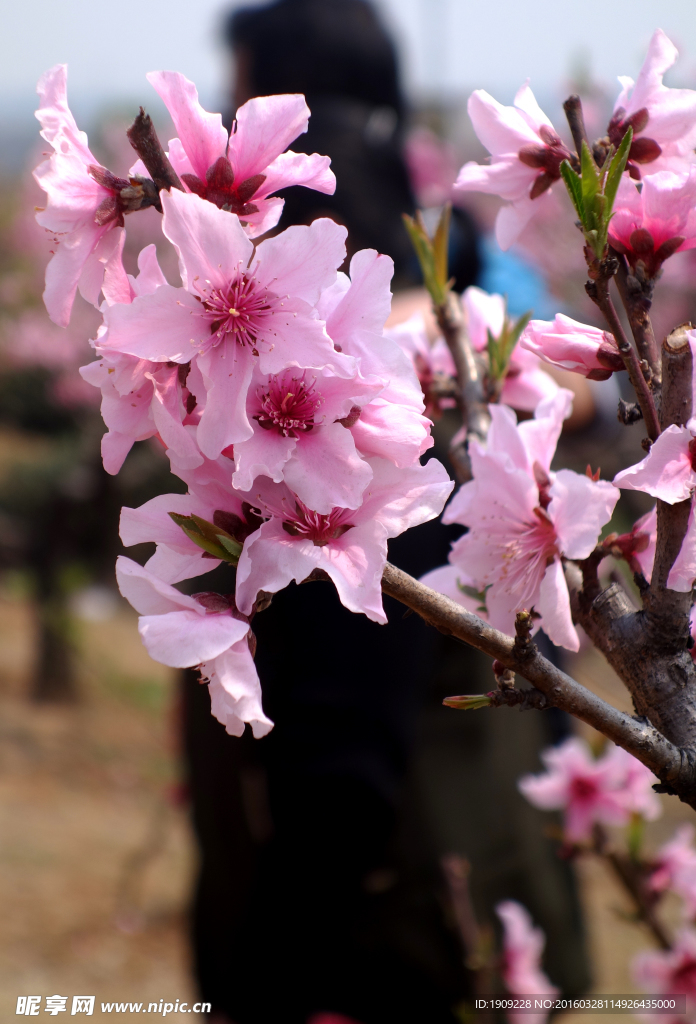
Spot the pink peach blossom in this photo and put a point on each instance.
(669, 972)
(301, 435)
(140, 398)
(523, 519)
(570, 345)
(211, 497)
(83, 208)
(526, 154)
(675, 868)
(240, 171)
(206, 631)
(523, 945)
(663, 119)
(638, 546)
(525, 384)
(350, 545)
(607, 790)
(392, 426)
(432, 363)
(239, 307)
(667, 472)
(653, 224)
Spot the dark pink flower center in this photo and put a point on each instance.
(643, 150)
(547, 159)
(239, 312)
(320, 529)
(641, 246)
(583, 788)
(289, 404)
(221, 189)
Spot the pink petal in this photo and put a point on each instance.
(150, 276)
(666, 471)
(683, 572)
(501, 129)
(202, 134)
(164, 326)
(579, 508)
(302, 260)
(265, 453)
(147, 594)
(310, 170)
(325, 470)
(173, 566)
(168, 413)
(266, 126)
(65, 269)
(227, 373)
(183, 639)
(355, 563)
(449, 580)
(151, 522)
(235, 691)
(367, 303)
(211, 243)
(554, 607)
(271, 559)
(483, 313)
(266, 217)
(392, 431)
(541, 434)
(114, 449)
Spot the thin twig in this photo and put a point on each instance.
(598, 291)
(632, 879)
(472, 406)
(636, 298)
(143, 138)
(576, 122)
(670, 763)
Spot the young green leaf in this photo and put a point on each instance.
(573, 183)
(616, 169)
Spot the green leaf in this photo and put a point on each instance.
(468, 702)
(573, 182)
(616, 169)
(230, 545)
(441, 242)
(500, 348)
(431, 253)
(210, 538)
(591, 178)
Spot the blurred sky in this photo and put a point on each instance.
(448, 46)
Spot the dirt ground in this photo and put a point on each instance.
(95, 850)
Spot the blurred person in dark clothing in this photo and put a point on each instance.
(320, 886)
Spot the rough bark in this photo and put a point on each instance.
(675, 767)
(648, 648)
(636, 296)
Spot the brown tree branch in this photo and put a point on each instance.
(576, 122)
(636, 297)
(674, 766)
(143, 138)
(632, 878)
(470, 397)
(598, 290)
